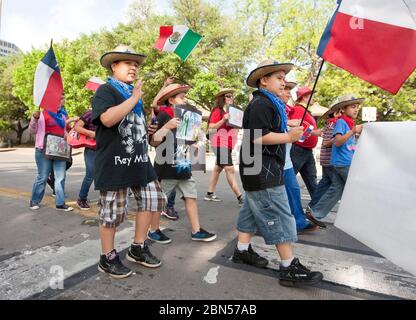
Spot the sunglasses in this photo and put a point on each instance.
(230, 96)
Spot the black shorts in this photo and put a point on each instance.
(224, 157)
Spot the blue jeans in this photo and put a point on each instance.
(171, 199)
(333, 195)
(295, 202)
(268, 211)
(45, 166)
(89, 159)
(323, 186)
(304, 163)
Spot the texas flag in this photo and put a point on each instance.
(94, 83)
(48, 86)
(374, 40)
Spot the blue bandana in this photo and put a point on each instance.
(60, 117)
(126, 90)
(280, 106)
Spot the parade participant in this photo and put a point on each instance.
(291, 183)
(41, 124)
(326, 152)
(266, 206)
(223, 141)
(302, 152)
(85, 126)
(345, 134)
(173, 172)
(122, 161)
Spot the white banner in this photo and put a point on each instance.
(378, 207)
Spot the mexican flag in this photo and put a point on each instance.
(178, 39)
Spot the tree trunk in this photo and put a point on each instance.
(19, 131)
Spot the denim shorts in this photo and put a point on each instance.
(268, 212)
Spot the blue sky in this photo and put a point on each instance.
(30, 23)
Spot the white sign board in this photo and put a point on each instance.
(378, 206)
(369, 114)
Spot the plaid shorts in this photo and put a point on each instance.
(114, 204)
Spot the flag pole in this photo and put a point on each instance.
(51, 43)
(313, 91)
(180, 67)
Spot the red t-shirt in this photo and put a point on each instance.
(51, 126)
(297, 113)
(225, 137)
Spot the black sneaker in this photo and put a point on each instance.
(298, 275)
(143, 256)
(114, 268)
(203, 236)
(159, 237)
(170, 214)
(249, 257)
(83, 204)
(64, 208)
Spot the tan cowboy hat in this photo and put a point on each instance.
(265, 68)
(171, 91)
(121, 53)
(291, 85)
(341, 102)
(223, 92)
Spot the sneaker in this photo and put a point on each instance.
(83, 205)
(170, 214)
(212, 197)
(312, 219)
(203, 236)
(143, 256)
(64, 208)
(310, 227)
(241, 201)
(159, 237)
(34, 207)
(249, 257)
(298, 275)
(114, 268)
(53, 194)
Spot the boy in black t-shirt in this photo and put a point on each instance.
(171, 166)
(122, 162)
(266, 206)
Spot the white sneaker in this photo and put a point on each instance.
(35, 207)
(212, 198)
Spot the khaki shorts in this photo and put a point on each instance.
(113, 204)
(184, 188)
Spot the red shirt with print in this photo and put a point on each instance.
(297, 113)
(225, 137)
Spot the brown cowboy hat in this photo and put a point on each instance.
(341, 102)
(266, 67)
(291, 85)
(121, 53)
(171, 91)
(223, 92)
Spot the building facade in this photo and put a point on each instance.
(8, 48)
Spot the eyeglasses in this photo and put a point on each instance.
(230, 96)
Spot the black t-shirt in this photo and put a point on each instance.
(169, 161)
(122, 159)
(262, 115)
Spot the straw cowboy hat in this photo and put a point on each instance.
(303, 91)
(291, 85)
(171, 91)
(121, 53)
(266, 67)
(223, 92)
(341, 102)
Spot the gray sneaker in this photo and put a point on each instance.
(212, 197)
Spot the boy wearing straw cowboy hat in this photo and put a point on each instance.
(266, 207)
(344, 145)
(122, 161)
(223, 141)
(302, 152)
(173, 174)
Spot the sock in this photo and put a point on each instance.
(243, 246)
(287, 263)
(141, 245)
(111, 255)
(210, 193)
